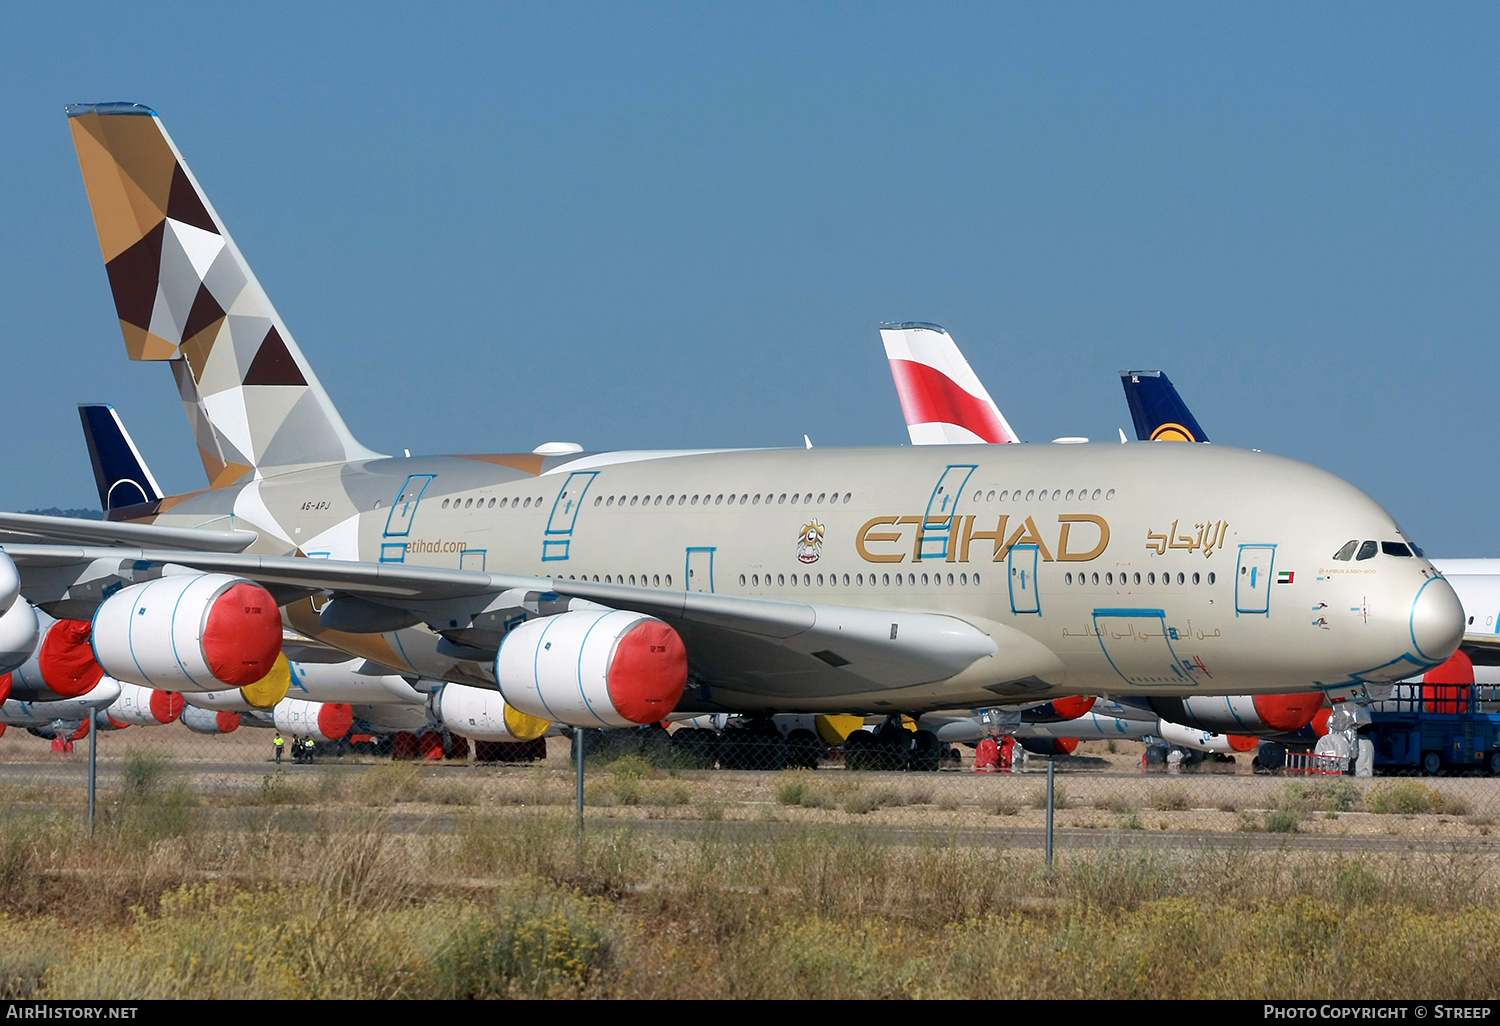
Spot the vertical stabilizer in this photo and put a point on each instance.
(1159, 413)
(123, 479)
(184, 294)
(941, 396)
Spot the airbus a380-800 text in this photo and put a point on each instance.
(614, 588)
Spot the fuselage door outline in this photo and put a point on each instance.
(398, 521)
(1022, 562)
(1253, 578)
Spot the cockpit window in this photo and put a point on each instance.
(1367, 550)
(1347, 552)
(1395, 549)
(1419, 552)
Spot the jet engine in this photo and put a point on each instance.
(1059, 710)
(483, 715)
(1255, 715)
(18, 623)
(205, 632)
(1048, 745)
(1203, 740)
(206, 721)
(591, 668)
(144, 707)
(322, 721)
(62, 666)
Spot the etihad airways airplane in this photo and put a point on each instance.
(613, 588)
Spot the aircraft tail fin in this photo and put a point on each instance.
(184, 294)
(1159, 413)
(123, 479)
(941, 396)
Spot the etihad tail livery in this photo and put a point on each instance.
(614, 588)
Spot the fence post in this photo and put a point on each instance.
(578, 758)
(1051, 795)
(93, 763)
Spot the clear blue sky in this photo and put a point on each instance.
(664, 225)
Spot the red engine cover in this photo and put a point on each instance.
(67, 660)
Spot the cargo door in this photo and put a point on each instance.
(1138, 644)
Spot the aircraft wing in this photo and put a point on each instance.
(29, 527)
(754, 645)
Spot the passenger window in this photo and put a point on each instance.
(821, 496)
(1367, 550)
(445, 503)
(1395, 549)
(1347, 552)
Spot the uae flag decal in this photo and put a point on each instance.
(1285, 577)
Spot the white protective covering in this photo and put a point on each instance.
(19, 632)
(35, 714)
(482, 715)
(557, 667)
(152, 633)
(133, 707)
(206, 721)
(321, 721)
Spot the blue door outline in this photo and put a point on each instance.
(699, 558)
(472, 559)
(1139, 661)
(1022, 572)
(398, 520)
(1253, 577)
(558, 537)
(942, 510)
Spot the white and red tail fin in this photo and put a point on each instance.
(942, 398)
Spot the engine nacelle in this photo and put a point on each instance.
(1059, 710)
(62, 666)
(204, 632)
(1253, 715)
(590, 668)
(1048, 746)
(1203, 740)
(144, 707)
(19, 630)
(483, 715)
(342, 682)
(322, 721)
(206, 721)
(27, 714)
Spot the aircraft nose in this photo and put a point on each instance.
(1437, 620)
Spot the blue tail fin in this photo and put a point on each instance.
(1159, 413)
(124, 480)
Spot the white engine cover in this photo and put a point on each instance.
(482, 715)
(200, 632)
(1192, 737)
(31, 714)
(322, 721)
(206, 721)
(592, 668)
(10, 581)
(19, 633)
(341, 682)
(143, 707)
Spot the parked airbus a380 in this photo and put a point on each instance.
(611, 588)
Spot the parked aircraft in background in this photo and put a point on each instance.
(1214, 724)
(612, 588)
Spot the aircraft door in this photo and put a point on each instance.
(940, 518)
(1138, 644)
(700, 570)
(1252, 580)
(1022, 561)
(559, 535)
(398, 522)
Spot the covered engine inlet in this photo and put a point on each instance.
(592, 668)
(205, 632)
